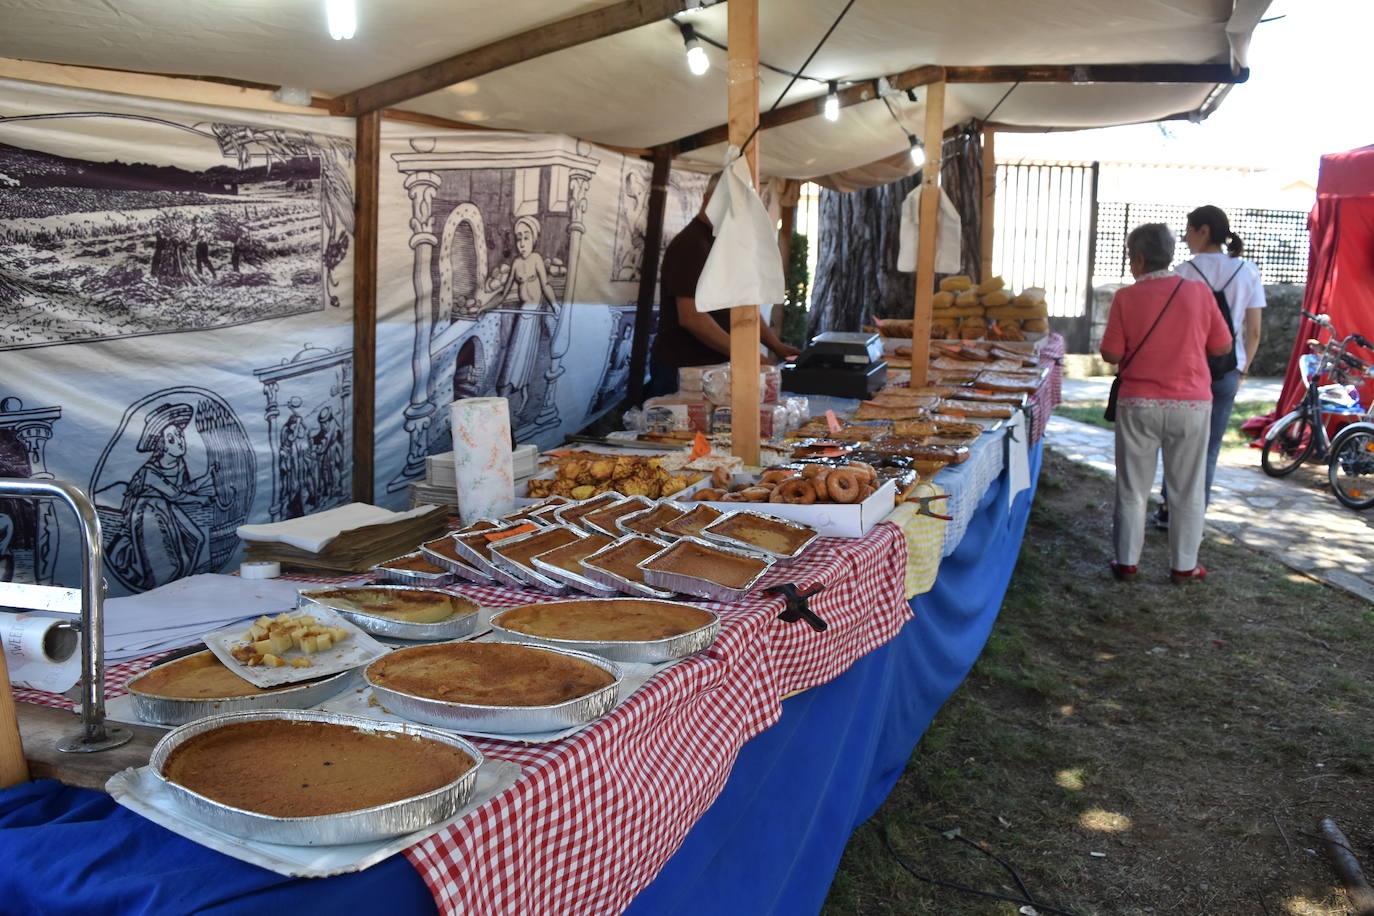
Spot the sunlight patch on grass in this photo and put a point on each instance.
(1071, 779)
(1101, 821)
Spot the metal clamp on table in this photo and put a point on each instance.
(796, 605)
(86, 603)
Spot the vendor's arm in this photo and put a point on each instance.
(701, 325)
(771, 341)
(1254, 323)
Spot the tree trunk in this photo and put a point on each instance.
(856, 264)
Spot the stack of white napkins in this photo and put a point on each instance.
(351, 538)
(180, 613)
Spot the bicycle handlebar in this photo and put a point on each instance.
(1322, 320)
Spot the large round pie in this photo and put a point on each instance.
(197, 677)
(286, 768)
(615, 620)
(488, 674)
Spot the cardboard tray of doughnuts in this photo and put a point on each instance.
(838, 520)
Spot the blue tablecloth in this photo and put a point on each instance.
(770, 843)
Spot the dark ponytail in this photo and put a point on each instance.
(1218, 228)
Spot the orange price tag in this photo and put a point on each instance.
(511, 532)
(954, 413)
(832, 421)
(700, 447)
(830, 453)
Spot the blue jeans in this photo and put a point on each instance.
(1223, 398)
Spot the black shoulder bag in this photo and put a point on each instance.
(1110, 413)
(1220, 365)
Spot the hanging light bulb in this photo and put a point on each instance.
(342, 16)
(918, 153)
(832, 104)
(697, 61)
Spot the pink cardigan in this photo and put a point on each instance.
(1172, 365)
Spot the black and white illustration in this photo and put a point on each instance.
(310, 430)
(210, 225)
(685, 190)
(496, 238)
(29, 536)
(172, 487)
(615, 376)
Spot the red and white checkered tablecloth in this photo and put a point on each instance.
(592, 818)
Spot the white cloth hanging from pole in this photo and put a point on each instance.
(745, 265)
(948, 239)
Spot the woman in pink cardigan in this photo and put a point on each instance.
(1160, 330)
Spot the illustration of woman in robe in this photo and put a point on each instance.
(530, 276)
(160, 541)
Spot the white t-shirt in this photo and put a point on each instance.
(1243, 293)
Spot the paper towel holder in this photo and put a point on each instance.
(87, 602)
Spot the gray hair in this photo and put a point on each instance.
(1153, 242)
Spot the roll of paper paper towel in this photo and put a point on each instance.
(42, 653)
(482, 466)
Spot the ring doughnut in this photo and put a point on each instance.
(721, 478)
(843, 485)
(708, 494)
(797, 490)
(732, 498)
(756, 494)
(813, 470)
(819, 482)
(865, 491)
(869, 472)
(776, 476)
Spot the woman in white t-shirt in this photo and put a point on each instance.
(1224, 271)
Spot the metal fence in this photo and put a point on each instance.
(1044, 219)
(1275, 240)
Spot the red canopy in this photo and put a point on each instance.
(1340, 266)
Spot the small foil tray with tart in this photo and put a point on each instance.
(621, 629)
(604, 520)
(474, 549)
(647, 521)
(715, 572)
(297, 662)
(531, 512)
(311, 778)
(515, 555)
(564, 564)
(779, 538)
(494, 687)
(689, 523)
(572, 513)
(400, 611)
(414, 569)
(444, 552)
(200, 685)
(617, 565)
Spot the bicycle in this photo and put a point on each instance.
(1302, 431)
(1351, 466)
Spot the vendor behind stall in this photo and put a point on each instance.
(687, 337)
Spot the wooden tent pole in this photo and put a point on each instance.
(367, 170)
(648, 271)
(13, 768)
(743, 87)
(987, 226)
(925, 248)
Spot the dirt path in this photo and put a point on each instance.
(1136, 749)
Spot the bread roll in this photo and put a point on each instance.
(943, 299)
(966, 298)
(956, 283)
(1035, 324)
(996, 297)
(988, 286)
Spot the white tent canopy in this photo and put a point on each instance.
(633, 89)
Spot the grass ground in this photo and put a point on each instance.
(1137, 748)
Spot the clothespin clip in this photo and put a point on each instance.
(796, 605)
(923, 506)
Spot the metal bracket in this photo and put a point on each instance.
(796, 605)
(88, 602)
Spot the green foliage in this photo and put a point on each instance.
(798, 287)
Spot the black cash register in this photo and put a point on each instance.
(838, 364)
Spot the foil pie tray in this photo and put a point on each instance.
(642, 502)
(650, 652)
(529, 574)
(695, 585)
(577, 581)
(620, 583)
(720, 537)
(480, 563)
(393, 819)
(511, 720)
(624, 523)
(384, 573)
(453, 628)
(160, 710)
(459, 568)
(572, 513)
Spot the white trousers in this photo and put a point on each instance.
(1141, 432)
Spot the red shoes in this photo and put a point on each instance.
(1197, 572)
(1122, 572)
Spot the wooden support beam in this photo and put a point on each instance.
(13, 768)
(367, 171)
(810, 108)
(987, 216)
(743, 87)
(925, 246)
(536, 42)
(648, 273)
(429, 120)
(1100, 73)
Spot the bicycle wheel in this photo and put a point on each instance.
(1351, 469)
(1288, 447)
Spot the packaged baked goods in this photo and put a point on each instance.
(943, 299)
(716, 384)
(966, 299)
(995, 298)
(957, 283)
(1035, 325)
(990, 285)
